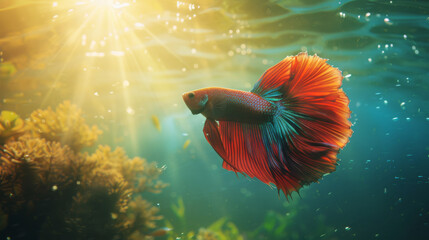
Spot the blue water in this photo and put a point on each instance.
(150, 56)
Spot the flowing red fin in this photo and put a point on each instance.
(315, 94)
(244, 150)
(275, 77)
(314, 115)
(312, 121)
(248, 154)
(211, 132)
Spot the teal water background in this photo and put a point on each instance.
(380, 189)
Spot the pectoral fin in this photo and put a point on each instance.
(211, 132)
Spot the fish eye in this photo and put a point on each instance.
(191, 95)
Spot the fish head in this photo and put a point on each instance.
(196, 100)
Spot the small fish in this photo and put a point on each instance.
(160, 232)
(287, 130)
(156, 123)
(7, 69)
(186, 144)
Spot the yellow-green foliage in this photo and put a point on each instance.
(11, 125)
(137, 172)
(179, 209)
(285, 225)
(206, 234)
(141, 216)
(48, 190)
(49, 158)
(222, 229)
(65, 125)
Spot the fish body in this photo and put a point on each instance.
(287, 130)
(186, 144)
(230, 105)
(156, 122)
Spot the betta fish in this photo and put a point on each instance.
(287, 130)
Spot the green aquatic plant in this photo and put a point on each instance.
(180, 223)
(11, 126)
(48, 190)
(206, 234)
(65, 125)
(222, 229)
(285, 225)
(179, 208)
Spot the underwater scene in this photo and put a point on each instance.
(98, 142)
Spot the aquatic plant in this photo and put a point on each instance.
(221, 229)
(11, 126)
(141, 216)
(46, 188)
(206, 234)
(179, 210)
(38, 180)
(50, 191)
(285, 225)
(137, 172)
(65, 125)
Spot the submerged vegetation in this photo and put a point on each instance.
(285, 224)
(49, 189)
(222, 229)
(64, 125)
(11, 126)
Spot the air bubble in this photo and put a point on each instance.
(387, 21)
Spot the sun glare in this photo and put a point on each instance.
(102, 53)
(103, 31)
(104, 3)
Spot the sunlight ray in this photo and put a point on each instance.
(70, 52)
(113, 26)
